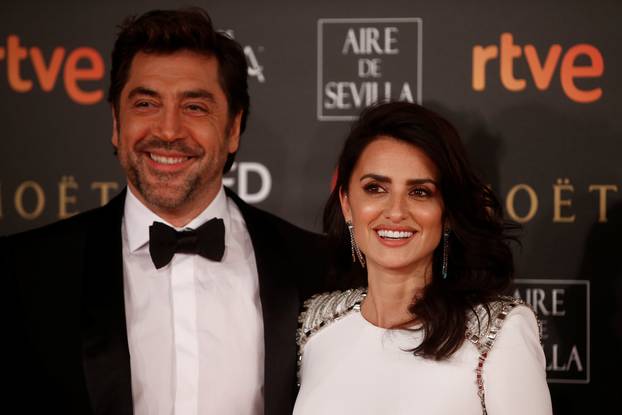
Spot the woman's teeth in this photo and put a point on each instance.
(383, 233)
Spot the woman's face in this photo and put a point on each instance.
(395, 205)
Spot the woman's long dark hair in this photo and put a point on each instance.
(480, 265)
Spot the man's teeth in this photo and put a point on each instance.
(383, 233)
(166, 160)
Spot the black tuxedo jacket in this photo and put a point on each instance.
(65, 319)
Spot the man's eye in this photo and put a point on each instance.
(195, 108)
(142, 104)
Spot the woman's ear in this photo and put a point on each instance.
(345, 205)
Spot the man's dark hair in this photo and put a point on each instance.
(170, 31)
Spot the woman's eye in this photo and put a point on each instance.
(373, 188)
(420, 192)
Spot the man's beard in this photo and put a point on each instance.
(164, 192)
(156, 194)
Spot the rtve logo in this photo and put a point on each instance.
(81, 64)
(590, 65)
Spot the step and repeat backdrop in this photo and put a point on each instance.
(533, 87)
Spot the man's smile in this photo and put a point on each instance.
(165, 162)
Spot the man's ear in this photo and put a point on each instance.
(115, 130)
(234, 133)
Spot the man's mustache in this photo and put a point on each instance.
(177, 146)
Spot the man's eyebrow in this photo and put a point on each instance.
(141, 90)
(193, 93)
(384, 179)
(199, 94)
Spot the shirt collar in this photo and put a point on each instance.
(138, 218)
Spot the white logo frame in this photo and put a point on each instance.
(320, 65)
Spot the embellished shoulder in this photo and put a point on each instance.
(483, 326)
(323, 309)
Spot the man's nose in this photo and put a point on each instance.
(169, 125)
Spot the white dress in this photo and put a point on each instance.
(349, 366)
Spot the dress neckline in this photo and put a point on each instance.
(358, 309)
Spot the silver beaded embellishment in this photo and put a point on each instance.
(482, 330)
(321, 310)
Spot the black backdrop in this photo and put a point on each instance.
(532, 86)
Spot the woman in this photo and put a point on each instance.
(431, 333)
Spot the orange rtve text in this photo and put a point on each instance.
(47, 73)
(541, 72)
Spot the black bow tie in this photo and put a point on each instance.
(208, 240)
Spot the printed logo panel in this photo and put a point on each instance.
(563, 307)
(362, 61)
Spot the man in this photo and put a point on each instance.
(176, 297)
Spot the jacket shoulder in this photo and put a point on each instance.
(298, 242)
(55, 228)
(71, 227)
(255, 216)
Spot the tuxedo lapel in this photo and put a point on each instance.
(104, 335)
(280, 306)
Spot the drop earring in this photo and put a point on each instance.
(446, 233)
(356, 252)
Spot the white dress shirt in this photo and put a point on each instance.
(195, 327)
